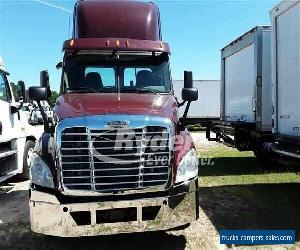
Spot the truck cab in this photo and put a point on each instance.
(118, 158)
(17, 137)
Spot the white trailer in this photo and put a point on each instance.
(207, 107)
(246, 108)
(285, 19)
(17, 137)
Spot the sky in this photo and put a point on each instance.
(32, 33)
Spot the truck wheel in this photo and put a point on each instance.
(28, 151)
(265, 160)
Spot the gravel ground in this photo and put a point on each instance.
(15, 230)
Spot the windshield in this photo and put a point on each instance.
(110, 73)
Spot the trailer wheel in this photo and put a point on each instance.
(28, 151)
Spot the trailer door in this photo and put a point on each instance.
(288, 70)
(239, 85)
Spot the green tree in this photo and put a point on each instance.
(53, 97)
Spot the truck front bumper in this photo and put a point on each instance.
(48, 216)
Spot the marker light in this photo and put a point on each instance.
(127, 43)
(117, 43)
(71, 43)
(107, 43)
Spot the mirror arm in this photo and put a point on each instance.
(14, 109)
(49, 103)
(180, 104)
(187, 108)
(46, 122)
(183, 119)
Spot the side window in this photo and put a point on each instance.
(104, 77)
(4, 91)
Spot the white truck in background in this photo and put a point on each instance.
(285, 19)
(207, 107)
(36, 118)
(17, 137)
(246, 106)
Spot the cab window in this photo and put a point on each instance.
(4, 91)
(100, 77)
(130, 75)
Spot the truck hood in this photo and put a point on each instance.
(77, 105)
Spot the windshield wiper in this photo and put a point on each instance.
(82, 89)
(139, 91)
(146, 91)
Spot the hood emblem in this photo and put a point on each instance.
(118, 124)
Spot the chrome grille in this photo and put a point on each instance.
(113, 160)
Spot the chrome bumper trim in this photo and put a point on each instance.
(49, 217)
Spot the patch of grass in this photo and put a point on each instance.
(256, 206)
(195, 128)
(223, 151)
(231, 167)
(237, 192)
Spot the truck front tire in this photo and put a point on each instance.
(28, 150)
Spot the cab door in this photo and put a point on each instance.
(6, 118)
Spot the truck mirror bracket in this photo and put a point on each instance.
(39, 94)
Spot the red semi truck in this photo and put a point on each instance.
(117, 158)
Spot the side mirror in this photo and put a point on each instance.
(44, 81)
(188, 80)
(21, 98)
(22, 90)
(38, 94)
(189, 93)
(59, 65)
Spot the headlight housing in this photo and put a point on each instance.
(40, 173)
(188, 167)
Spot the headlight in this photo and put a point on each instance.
(40, 173)
(188, 167)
